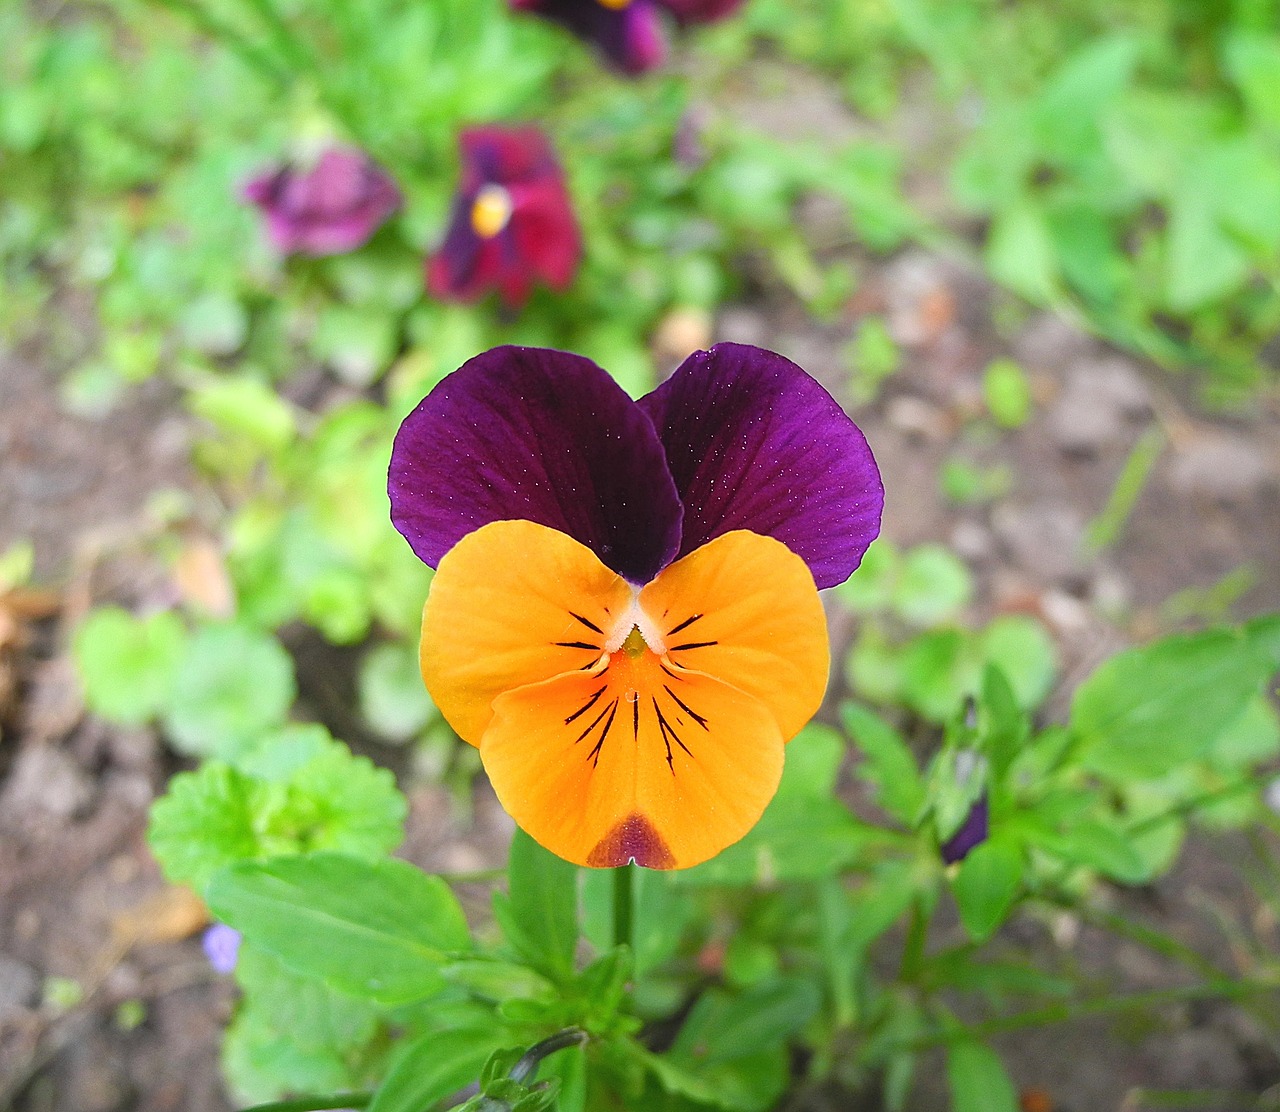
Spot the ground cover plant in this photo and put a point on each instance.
(301, 219)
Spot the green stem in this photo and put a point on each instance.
(913, 949)
(561, 1040)
(624, 882)
(1187, 806)
(316, 1104)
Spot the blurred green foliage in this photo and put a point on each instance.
(1121, 163)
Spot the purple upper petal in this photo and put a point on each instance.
(539, 435)
(754, 443)
(629, 36)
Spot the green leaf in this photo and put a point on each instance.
(986, 885)
(977, 1080)
(1103, 847)
(1253, 61)
(127, 665)
(1252, 738)
(374, 930)
(247, 408)
(888, 764)
(539, 916)
(434, 1066)
(1007, 393)
(204, 823)
(723, 1026)
(1148, 710)
(933, 585)
(1020, 253)
(233, 684)
(393, 698)
(1023, 650)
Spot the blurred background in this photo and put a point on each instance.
(1033, 248)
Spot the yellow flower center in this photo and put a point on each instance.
(491, 211)
(614, 5)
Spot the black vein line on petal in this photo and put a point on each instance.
(662, 663)
(683, 625)
(669, 735)
(595, 722)
(590, 625)
(577, 645)
(693, 645)
(635, 717)
(687, 708)
(587, 705)
(594, 755)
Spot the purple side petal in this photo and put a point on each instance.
(539, 435)
(754, 443)
(630, 37)
(972, 833)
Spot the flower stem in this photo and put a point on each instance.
(561, 1040)
(623, 905)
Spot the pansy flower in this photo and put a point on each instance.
(328, 207)
(628, 32)
(512, 222)
(625, 616)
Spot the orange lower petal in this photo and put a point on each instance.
(744, 608)
(642, 763)
(512, 604)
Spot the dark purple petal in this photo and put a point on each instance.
(630, 36)
(754, 443)
(972, 833)
(701, 11)
(539, 435)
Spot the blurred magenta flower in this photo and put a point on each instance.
(512, 223)
(327, 207)
(222, 947)
(628, 32)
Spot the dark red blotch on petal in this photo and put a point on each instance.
(633, 839)
(540, 242)
(536, 435)
(630, 37)
(753, 442)
(330, 207)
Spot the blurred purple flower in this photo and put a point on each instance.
(512, 223)
(972, 833)
(329, 207)
(628, 32)
(221, 946)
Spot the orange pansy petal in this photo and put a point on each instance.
(744, 609)
(663, 767)
(511, 604)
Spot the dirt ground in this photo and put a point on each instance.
(82, 904)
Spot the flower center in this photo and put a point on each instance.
(614, 5)
(491, 210)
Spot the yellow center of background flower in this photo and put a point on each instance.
(614, 5)
(491, 211)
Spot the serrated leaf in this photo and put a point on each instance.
(233, 684)
(127, 665)
(203, 823)
(375, 930)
